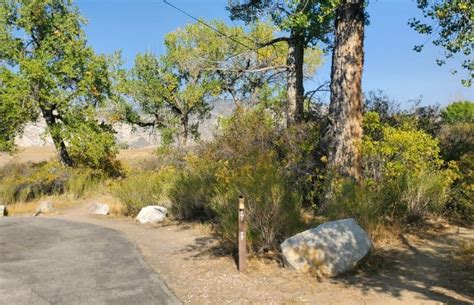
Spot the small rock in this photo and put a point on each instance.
(152, 214)
(99, 209)
(3, 211)
(330, 249)
(44, 207)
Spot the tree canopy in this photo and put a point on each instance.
(174, 92)
(47, 67)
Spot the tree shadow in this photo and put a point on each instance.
(427, 271)
(203, 247)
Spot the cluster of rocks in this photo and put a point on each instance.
(151, 214)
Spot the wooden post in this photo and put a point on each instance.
(242, 236)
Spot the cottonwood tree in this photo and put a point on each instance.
(450, 24)
(307, 23)
(343, 135)
(163, 94)
(47, 68)
(220, 62)
(248, 73)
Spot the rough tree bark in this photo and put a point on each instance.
(343, 134)
(58, 141)
(295, 89)
(185, 131)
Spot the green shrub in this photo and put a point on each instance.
(143, 189)
(26, 182)
(244, 135)
(193, 189)
(458, 112)
(249, 157)
(29, 181)
(401, 199)
(272, 208)
(350, 200)
(456, 140)
(389, 152)
(84, 181)
(461, 202)
(404, 177)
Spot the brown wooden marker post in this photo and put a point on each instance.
(242, 236)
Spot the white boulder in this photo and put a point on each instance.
(44, 207)
(99, 209)
(330, 249)
(2, 210)
(152, 214)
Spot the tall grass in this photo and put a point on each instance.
(143, 189)
(29, 181)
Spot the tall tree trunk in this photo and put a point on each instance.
(185, 132)
(341, 142)
(295, 89)
(57, 139)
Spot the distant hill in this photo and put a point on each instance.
(126, 135)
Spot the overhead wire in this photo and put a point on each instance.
(214, 29)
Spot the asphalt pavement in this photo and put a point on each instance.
(51, 261)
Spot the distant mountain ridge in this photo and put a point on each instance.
(133, 137)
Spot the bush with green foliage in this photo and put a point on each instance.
(26, 182)
(456, 140)
(272, 205)
(194, 188)
(461, 202)
(458, 112)
(404, 177)
(143, 189)
(247, 158)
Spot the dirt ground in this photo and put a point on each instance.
(420, 270)
(417, 270)
(45, 153)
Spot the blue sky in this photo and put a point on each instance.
(135, 26)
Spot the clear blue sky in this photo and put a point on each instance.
(135, 26)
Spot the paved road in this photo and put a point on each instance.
(50, 261)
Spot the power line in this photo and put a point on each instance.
(211, 27)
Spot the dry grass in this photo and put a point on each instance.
(45, 153)
(29, 208)
(117, 208)
(464, 255)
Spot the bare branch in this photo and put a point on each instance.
(273, 41)
(256, 70)
(322, 88)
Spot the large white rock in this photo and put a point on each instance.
(2, 210)
(152, 214)
(44, 207)
(330, 249)
(99, 209)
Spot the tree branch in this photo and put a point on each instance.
(274, 41)
(322, 88)
(251, 70)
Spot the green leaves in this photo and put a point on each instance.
(459, 112)
(47, 67)
(16, 107)
(450, 23)
(313, 18)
